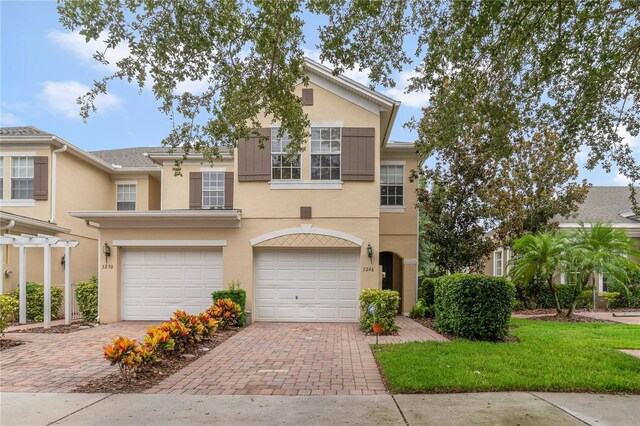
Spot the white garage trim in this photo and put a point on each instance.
(169, 243)
(306, 229)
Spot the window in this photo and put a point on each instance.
(391, 185)
(212, 190)
(1, 178)
(22, 178)
(497, 263)
(282, 165)
(126, 196)
(325, 153)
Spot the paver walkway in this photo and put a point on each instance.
(291, 359)
(60, 362)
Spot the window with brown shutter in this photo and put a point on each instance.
(228, 190)
(40, 178)
(307, 96)
(195, 190)
(358, 153)
(254, 164)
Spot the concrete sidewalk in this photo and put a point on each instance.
(509, 408)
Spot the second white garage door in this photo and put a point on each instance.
(157, 281)
(309, 285)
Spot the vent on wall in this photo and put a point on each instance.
(305, 212)
(307, 96)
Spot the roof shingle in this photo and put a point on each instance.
(128, 157)
(23, 131)
(603, 204)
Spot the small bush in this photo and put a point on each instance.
(628, 296)
(127, 354)
(87, 297)
(226, 312)
(530, 296)
(236, 294)
(35, 301)
(474, 306)
(386, 303)
(419, 310)
(426, 293)
(9, 306)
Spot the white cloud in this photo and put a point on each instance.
(61, 96)
(10, 119)
(75, 43)
(412, 99)
(361, 77)
(193, 87)
(632, 141)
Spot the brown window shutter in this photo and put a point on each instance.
(40, 178)
(195, 190)
(228, 190)
(254, 164)
(358, 153)
(307, 96)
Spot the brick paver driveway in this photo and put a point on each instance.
(60, 362)
(291, 359)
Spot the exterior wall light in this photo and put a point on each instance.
(107, 251)
(370, 252)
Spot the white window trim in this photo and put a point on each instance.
(17, 203)
(281, 153)
(311, 154)
(305, 184)
(20, 154)
(394, 209)
(224, 195)
(127, 182)
(213, 169)
(169, 243)
(495, 258)
(393, 163)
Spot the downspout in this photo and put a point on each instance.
(9, 225)
(53, 182)
(90, 225)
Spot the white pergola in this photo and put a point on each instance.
(47, 242)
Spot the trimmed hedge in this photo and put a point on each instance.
(541, 297)
(386, 303)
(239, 296)
(9, 306)
(87, 297)
(628, 296)
(474, 306)
(35, 301)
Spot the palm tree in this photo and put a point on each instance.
(537, 258)
(599, 249)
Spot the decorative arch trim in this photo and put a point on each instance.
(306, 229)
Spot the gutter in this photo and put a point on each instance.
(9, 225)
(54, 156)
(392, 119)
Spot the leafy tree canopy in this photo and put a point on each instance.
(508, 67)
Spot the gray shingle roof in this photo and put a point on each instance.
(128, 157)
(22, 131)
(603, 204)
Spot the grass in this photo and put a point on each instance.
(551, 356)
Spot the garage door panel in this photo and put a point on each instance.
(325, 281)
(158, 281)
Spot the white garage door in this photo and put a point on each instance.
(307, 285)
(157, 281)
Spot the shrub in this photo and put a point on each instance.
(628, 296)
(159, 340)
(474, 306)
(9, 306)
(126, 353)
(539, 297)
(386, 303)
(426, 293)
(35, 301)
(87, 297)
(419, 310)
(237, 295)
(226, 312)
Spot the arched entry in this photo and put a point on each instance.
(391, 266)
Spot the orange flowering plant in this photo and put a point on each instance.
(126, 353)
(226, 312)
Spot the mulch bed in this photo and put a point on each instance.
(150, 376)
(57, 329)
(429, 323)
(575, 318)
(9, 343)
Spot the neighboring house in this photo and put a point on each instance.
(303, 236)
(607, 204)
(42, 178)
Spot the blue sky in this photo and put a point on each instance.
(44, 68)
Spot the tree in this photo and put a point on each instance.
(538, 257)
(507, 67)
(598, 249)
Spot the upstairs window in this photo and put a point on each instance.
(126, 196)
(212, 190)
(497, 263)
(22, 178)
(283, 166)
(325, 153)
(392, 185)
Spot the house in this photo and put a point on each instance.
(303, 236)
(42, 178)
(606, 204)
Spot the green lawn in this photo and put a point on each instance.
(550, 356)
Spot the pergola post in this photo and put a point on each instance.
(67, 285)
(47, 285)
(22, 283)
